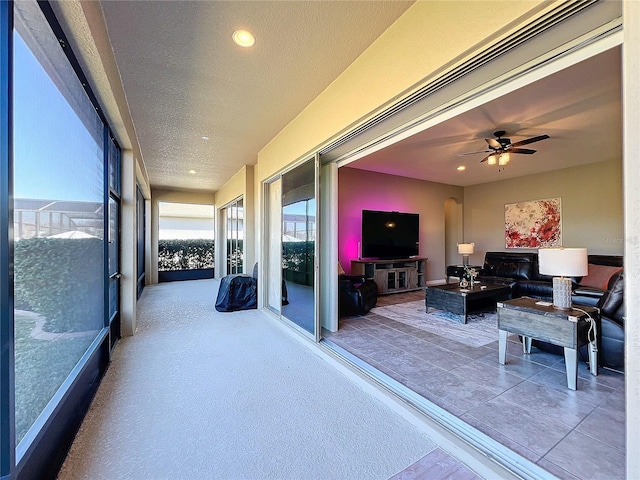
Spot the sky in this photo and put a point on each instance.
(300, 208)
(55, 156)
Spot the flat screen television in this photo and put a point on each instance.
(387, 235)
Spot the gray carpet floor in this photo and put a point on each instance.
(198, 394)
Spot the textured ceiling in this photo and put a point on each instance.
(185, 79)
(578, 107)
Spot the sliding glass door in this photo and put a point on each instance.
(273, 247)
(298, 245)
(233, 215)
(290, 250)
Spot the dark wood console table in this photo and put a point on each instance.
(395, 275)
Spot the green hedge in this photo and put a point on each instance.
(185, 254)
(62, 279)
(297, 261)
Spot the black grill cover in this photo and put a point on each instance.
(237, 292)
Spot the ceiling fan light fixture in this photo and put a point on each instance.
(500, 148)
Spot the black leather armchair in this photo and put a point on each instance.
(611, 332)
(358, 295)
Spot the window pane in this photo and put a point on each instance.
(240, 236)
(140, 222)
(231, 267)
(114, 297)
(59, 233)
(298, 244)
(235, 234)
(114, 167)
(185, 236)
(114, 222)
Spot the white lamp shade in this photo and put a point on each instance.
(563, 262)
(465, 248)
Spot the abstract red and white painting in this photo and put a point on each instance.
(533, 224)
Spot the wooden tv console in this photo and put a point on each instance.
(395, 275)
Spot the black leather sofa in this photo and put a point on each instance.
(514, 268)
(358, 295)
(520, 271)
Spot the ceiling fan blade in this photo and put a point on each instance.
(473, 153)
(486, 158)
(530, 140)
(521, 150)
(493, 143)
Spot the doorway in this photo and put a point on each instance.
(453, 230)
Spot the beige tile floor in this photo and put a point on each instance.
(525, 405)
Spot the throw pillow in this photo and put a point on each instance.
(599, 276)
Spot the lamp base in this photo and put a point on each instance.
(465, 260)
(562, 293)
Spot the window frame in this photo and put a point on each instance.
(46, 449)
(7, 344)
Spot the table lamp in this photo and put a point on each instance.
(465, 249)
(562, 263)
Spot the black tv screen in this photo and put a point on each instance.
(388, 235)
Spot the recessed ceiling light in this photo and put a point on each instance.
(243, 38)
(204, 137)
(461, 168)
(192, 172)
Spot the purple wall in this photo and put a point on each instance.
(362, 190)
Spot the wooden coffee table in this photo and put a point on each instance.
(462, 301)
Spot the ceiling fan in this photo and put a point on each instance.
(500, 148)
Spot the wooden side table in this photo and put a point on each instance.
(568, 328)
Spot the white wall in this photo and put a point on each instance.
(185, 228)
